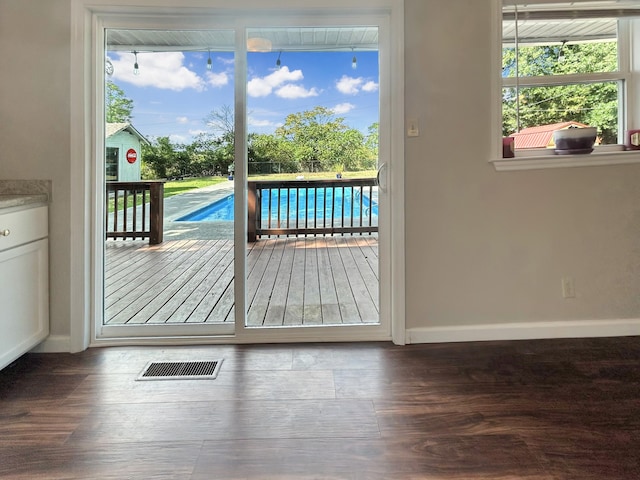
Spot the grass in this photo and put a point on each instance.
(175, 187)
(314, 175)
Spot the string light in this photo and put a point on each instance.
(278, 62)
(561, 51)
(209, 62)
(354, 61)
(136, 70)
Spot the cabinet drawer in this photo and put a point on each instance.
(23, 226)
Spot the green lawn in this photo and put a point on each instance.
(175, 187)
(314, 175)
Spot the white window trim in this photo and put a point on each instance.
(629, 116)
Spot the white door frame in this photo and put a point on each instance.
(87, 68)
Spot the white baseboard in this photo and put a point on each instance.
(525, 331)
(54, 344)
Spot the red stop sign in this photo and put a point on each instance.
(132, 155)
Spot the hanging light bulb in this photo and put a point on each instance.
(278, 62)
(209, 62)
(354, 61)
(561, 56)
(136, 70)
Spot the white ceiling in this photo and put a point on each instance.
(571, 22)
(281, 39)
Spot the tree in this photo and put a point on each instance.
(320, 140)
(271, 154)
(372, 140)
(221, 139)
(118, 107)
(159, 156)
(593, 104)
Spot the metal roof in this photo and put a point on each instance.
(540, 136)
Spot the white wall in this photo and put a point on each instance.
(486, 247)
(34, 122)
(482, 247)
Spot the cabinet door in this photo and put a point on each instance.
(24, 299)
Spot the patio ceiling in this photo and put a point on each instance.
(280, 38)
(570, 22)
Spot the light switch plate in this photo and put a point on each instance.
(413, 127)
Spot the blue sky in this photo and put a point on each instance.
(174, 92)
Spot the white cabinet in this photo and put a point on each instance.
(24, 281)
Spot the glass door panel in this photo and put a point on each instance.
(312, 245)
(169, 108)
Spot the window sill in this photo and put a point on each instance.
(564, 161)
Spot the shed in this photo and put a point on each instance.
(123, 152)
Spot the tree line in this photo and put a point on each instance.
(313, 140)
(591, 103)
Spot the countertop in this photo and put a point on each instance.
(22, 200)
(24, 193)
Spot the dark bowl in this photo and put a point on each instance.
(576, 139)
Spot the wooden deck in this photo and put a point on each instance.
(291, 281)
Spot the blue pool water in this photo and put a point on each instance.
(314, 201)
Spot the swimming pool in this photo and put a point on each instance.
(292, 203)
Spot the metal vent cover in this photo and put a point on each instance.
(191, 370)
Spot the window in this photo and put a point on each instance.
(567, 64)
(111, 164)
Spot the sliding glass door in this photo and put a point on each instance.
(241, 176)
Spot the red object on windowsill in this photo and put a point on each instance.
(633, 140)
(508, 150)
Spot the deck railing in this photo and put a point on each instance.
(312, 207)
(135, 210)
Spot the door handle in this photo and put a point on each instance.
(382, 185)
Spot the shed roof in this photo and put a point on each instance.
(540, 136)
(113, 128)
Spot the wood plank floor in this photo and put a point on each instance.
(291, 281)
(543, 410)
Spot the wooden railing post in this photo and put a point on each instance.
(156, 213)
(252, 202)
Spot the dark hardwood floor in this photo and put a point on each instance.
(550, 409)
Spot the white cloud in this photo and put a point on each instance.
(352, 86)
(176, 138)
(370, 86)
(343, 108)
(263, 86)
(217, 79)
(349, 85)
(182, 120)
(291, 91)
(195, 133)
(163, 70)
(254, 122)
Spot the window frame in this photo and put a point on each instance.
(625, 75)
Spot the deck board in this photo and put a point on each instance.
(312, 308)
(290, 281)
(276, 309)
(327, 287)
(294, 306)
